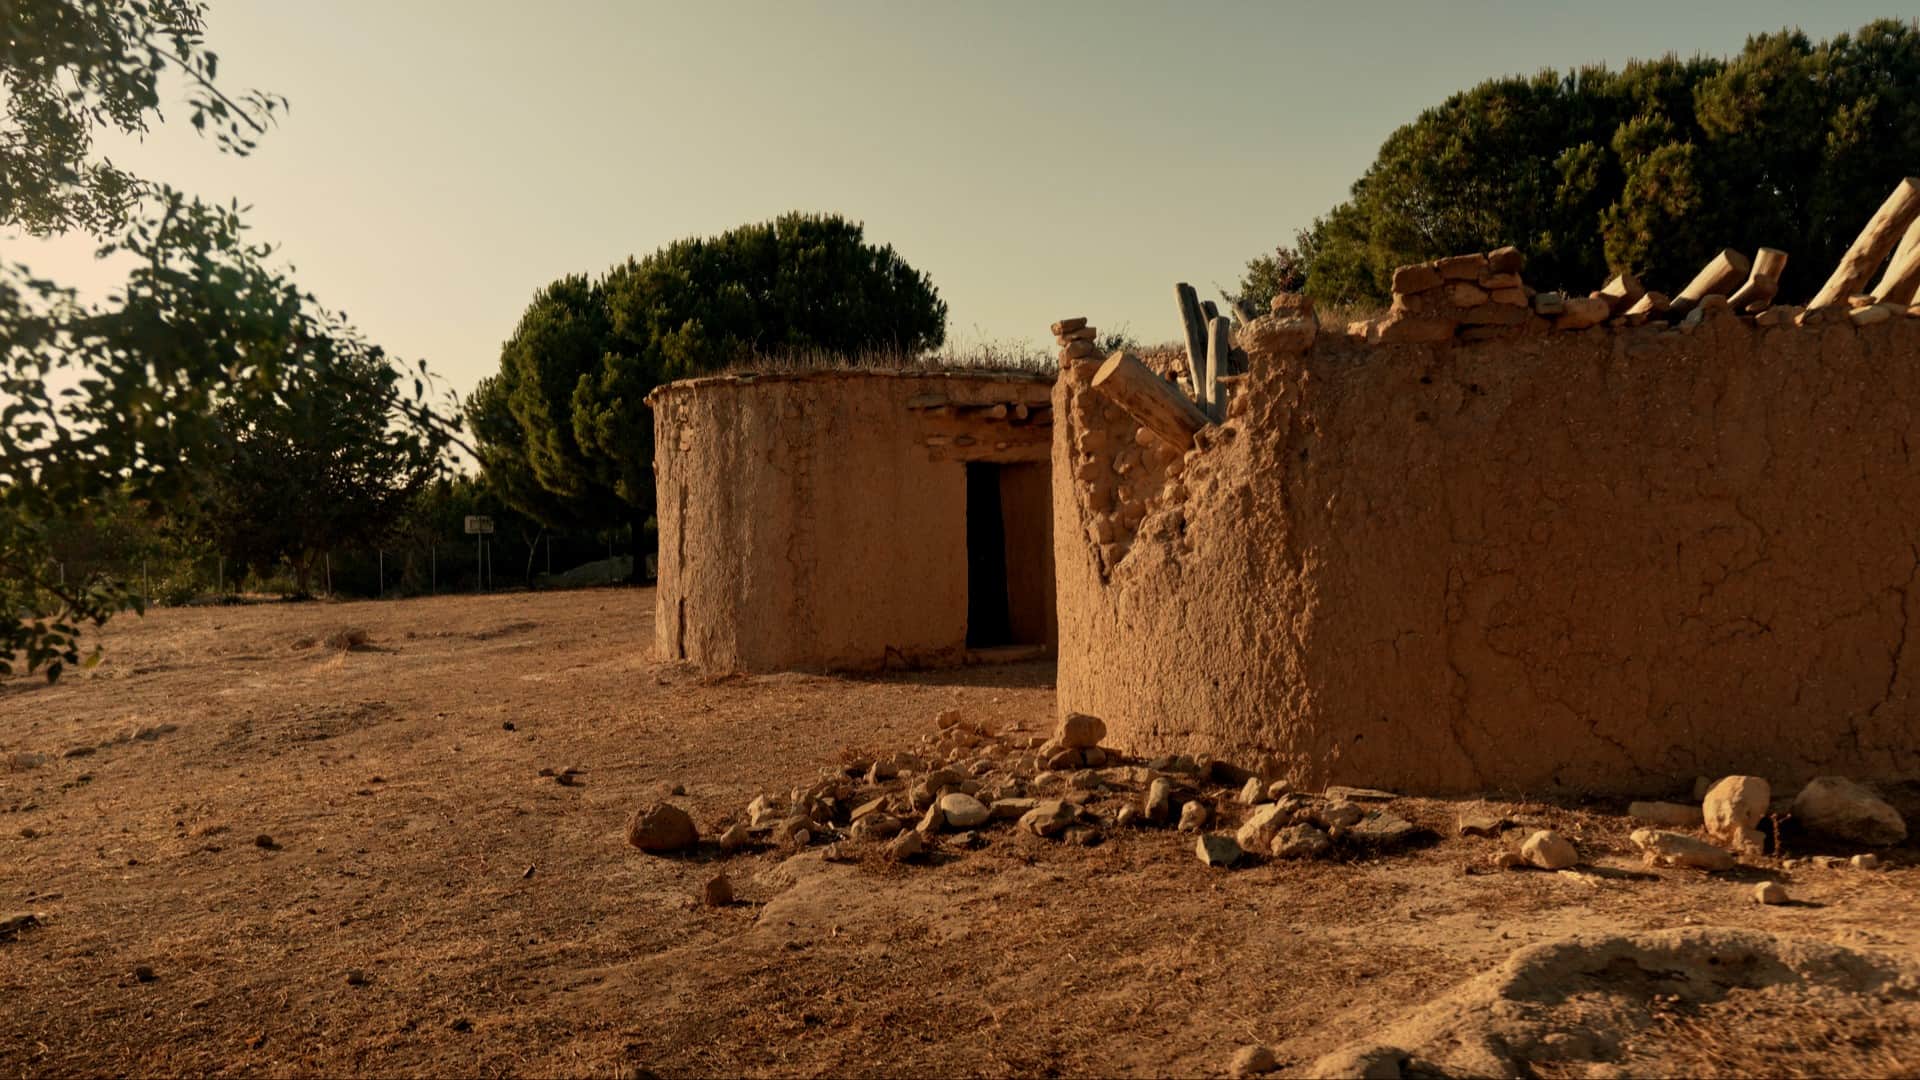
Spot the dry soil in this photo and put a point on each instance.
(347, 861)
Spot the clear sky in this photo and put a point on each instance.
(443, 160)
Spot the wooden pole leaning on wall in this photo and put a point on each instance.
(1908, 244)
(1873, 244)
(1156, 403)
(1195, 322)
(1219, 359)
(1721, 276)
(1902, 280)
(1762, 283)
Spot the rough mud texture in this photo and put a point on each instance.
(1605, 560)
(1597, 998)
(819, 520)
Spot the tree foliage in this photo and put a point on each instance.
(71, 69)
(134, 398)
(1652, 168)
(320, 459)
(1267, 276)
(575, 375)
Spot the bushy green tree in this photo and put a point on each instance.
(113, 401)
(1267, 276)
(322, 459)
(1652, 168)
(575, 375)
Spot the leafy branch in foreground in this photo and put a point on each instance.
(148, 396)
(71, 69)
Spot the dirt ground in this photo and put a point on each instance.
(431, 905)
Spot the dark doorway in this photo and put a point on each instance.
(988, 624)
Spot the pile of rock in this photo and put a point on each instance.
(1732, 809)
(1471, 297)
(967, 778)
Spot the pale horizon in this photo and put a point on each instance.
(441, 162)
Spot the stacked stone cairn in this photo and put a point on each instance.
(967, 780)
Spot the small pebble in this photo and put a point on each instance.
(718, 891)
(266, 842)
(144, 974)
(1769, 892)
(1865, 861)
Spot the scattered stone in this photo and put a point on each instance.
(717, 892)
(1300, 842)
(1256, 833)
(1095, 756)
(1837, 807)
(1339, 815)
(734, 838)
(947, 718)
(760, 810)
(1479, 822)
(1050, 818)
(1660, 848)
(1193, 816)
(144, 974)
(1255, 1060)
(1011, 808)
(1548, 850)
(78, 751)
(1769, 892)
(568, 777)
(1667, 815)
(878, 827)
(1083, 836)
(1253, 792)
(1506, 860)
(1127, 817)
(871, 806)
(1216, 850)
(1078, 731)
(1382, 830)
(1360, 794)
(1159, 804)
(1277, 789)
(507, 725)
(907, 845)
(527, 874)
(356, 977)
(661, 830)
(1066, 760)
(963, 811)
(265, 842)
(1733, 809)
(1866, 860)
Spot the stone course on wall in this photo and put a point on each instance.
(1526, 554)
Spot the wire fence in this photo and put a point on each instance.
(422, 567)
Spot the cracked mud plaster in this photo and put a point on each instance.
(1602, 561)
(817, 520)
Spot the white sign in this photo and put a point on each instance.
(479, 523)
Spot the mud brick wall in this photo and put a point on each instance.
(1603, 560)
(818, 520)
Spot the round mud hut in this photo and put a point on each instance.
(854, 519)
(1511, 547)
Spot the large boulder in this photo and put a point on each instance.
(661, 830)
(1837, 807)
(1733, 809)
